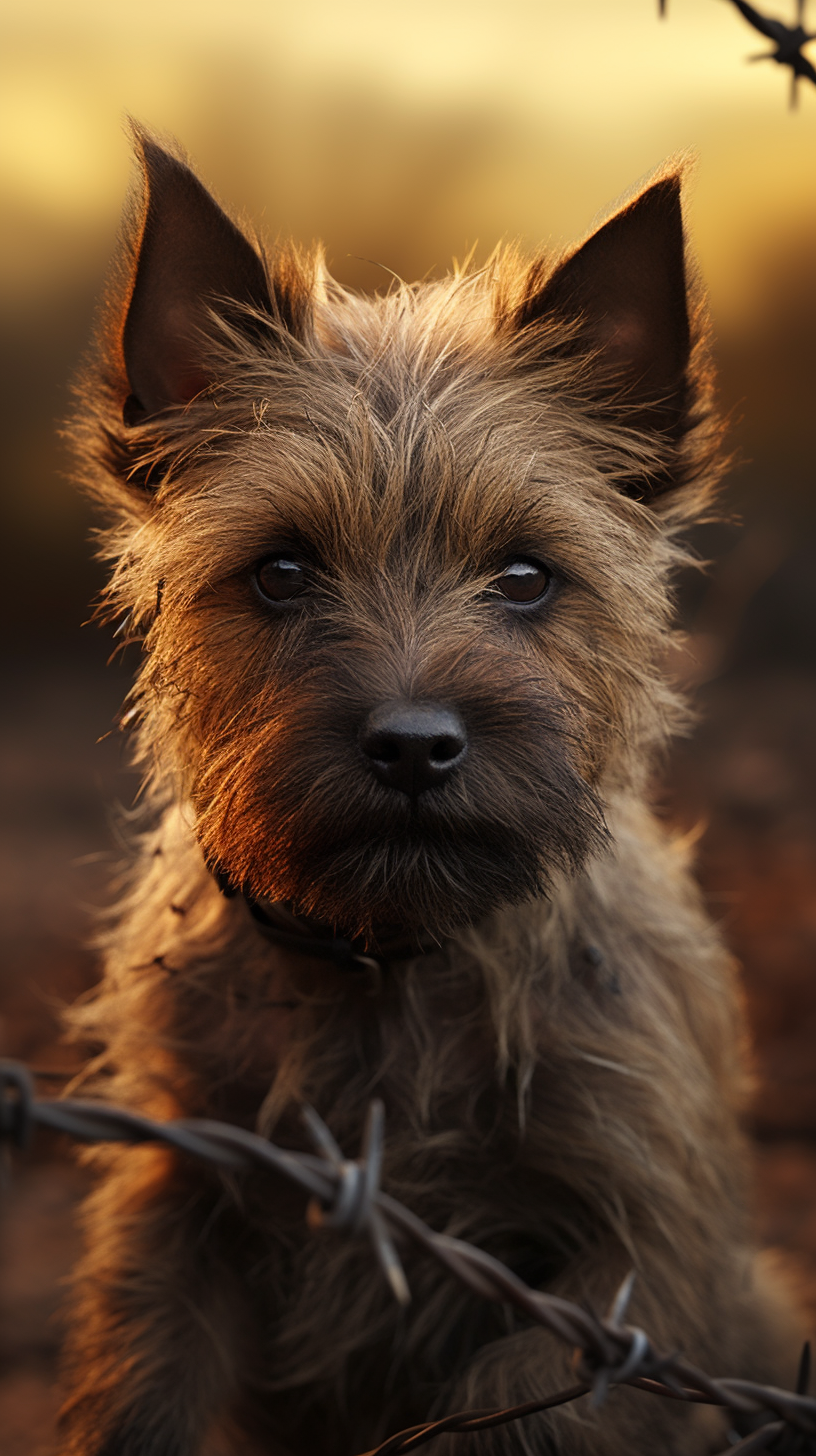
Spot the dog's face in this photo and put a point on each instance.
(411, 554)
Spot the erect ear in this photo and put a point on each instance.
(624, 292)
(189, 257)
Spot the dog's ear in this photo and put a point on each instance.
(189, 257)
(623, 294)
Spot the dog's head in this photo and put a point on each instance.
(411, 550)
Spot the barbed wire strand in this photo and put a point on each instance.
(344, 1194)
(787, 39)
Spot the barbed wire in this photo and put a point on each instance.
(788, 40)
(345, 1194)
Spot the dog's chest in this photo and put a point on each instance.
(455, 1153)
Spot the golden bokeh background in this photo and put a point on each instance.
(407, 127)
(401, 133)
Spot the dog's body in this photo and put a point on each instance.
(403, 564)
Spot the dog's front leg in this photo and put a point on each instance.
(532, 1365)
(154, 1325)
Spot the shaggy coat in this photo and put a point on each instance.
(556, 1043)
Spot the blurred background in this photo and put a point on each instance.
(403, 133)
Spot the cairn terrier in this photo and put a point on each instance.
(401, 565)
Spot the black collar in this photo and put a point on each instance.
(307, 937)
(297, 933)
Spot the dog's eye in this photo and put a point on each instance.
(523, 581)
(279, 578)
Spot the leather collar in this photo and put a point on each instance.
(304, 936)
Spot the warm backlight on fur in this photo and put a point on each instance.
(403, 565)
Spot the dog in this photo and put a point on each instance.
(402, 569)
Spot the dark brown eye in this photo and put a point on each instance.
(279, 578)
(523, 581)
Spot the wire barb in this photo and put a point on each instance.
(803, 1373)
(787, 39)
(637, 1352)
(16, 1104)
(358, 1184)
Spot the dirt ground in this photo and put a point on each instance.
(748, 777)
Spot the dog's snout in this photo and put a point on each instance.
(413, 746)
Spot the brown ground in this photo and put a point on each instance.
(749, 774)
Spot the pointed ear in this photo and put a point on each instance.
(189, 256)
(624, 294)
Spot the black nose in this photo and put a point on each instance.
(413, 746)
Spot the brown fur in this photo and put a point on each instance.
(561, 1076)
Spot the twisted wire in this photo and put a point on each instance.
(344, 1194)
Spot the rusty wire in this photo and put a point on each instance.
(345, 1194)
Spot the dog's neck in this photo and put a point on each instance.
(305, 935)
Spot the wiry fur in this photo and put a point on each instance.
(561, 1077)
